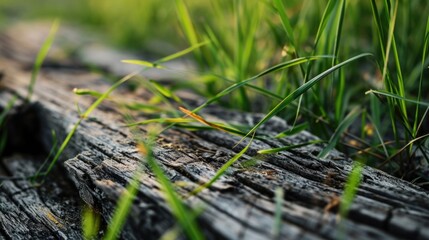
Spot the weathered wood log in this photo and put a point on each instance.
(102, 156)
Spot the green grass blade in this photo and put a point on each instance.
(123, 207)
(106, 94)
(185, 20)
(287, 26)
(275, 68)
(61, 149)
(424, 55)
(222, 170)
(173, 56)
(188, 27)
(296, 129)
(306, 73)
(337, 38)
(218, 126)
(351, 188)
(302, 89)
(90, 223)
(245, 42)
(395, 96)
(53, 150)
(7, 109)
(400, 80)
(3, 114)
(41, 55)
(286, 148)
(184, 217)
(143, 63)
(339, 100)
(166, 92)
(349, 194)
(380, 138)
(347, 121)
(380, 29)
(410, 143)
(144, 107)
(324, 21)
(278, 4)
(84, 91)
(279, 196)
(161, 120)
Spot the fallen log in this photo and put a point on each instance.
(101, 158)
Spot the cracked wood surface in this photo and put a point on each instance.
(102, 156)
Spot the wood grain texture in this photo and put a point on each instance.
(102, 156)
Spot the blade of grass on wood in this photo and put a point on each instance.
(161, 120)
(286, 148)
(223, 169)
(90, 223)
(217, 126)
(349, 194)
(123, 207)
(184, 217)
(351, 188)
(279, 196)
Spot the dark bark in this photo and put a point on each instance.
(102, 156)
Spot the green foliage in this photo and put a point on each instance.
(90, 223)
(351, 188)
(123, 207)
(286, 148)
(41, 55)
(279, 196)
